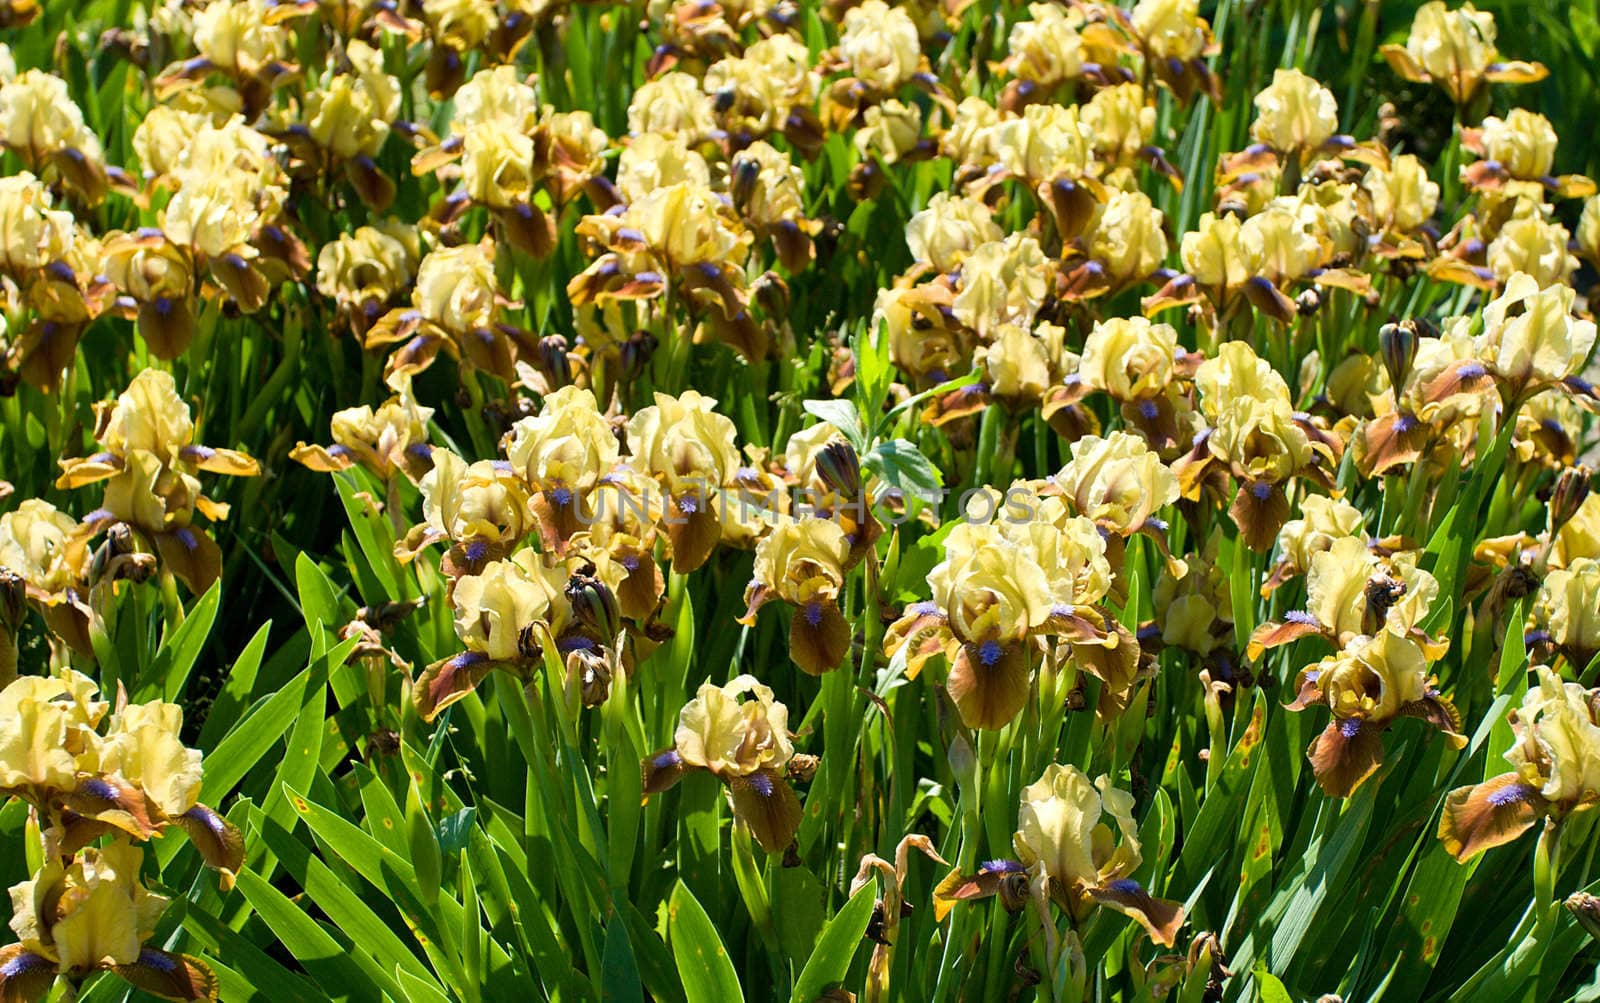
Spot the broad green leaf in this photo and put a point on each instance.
(349, 911)
(418, 990)
(703, 964)
(230, 702)
(830, 959)
(900, 463)
(798, 911)
(619, 979)
(170, 669)
(455, 829)
(1272, 990)
(841, 414)
(325, 959)
(319, 600)
(303, 752)
(242, 748)
(376, 540)
(255, 975)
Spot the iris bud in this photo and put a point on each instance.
(1585, 908)
(636, 352)
(1568, 495)
(13, 606)
(1398, 344)
(554, 362)
(839, 468)
(595, 606)
(13, 600)
(745, 175)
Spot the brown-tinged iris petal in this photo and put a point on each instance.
(819, 636)
(755, 597)
(167, 326)
(1259, 510)
(528, 228)
(1180, 290)
(376, 188)
(1516, 71)
(1403, 64)
(75, 832)
(989, 683)
(219, 841)
(418, 353)
(767, 804)
(448, 680)
(1115, 665)
(1160, 918)
(1079, 624)
(1389, 441)
(661, 771)
(24, 976)
(192, 556)
(1345, 754)
(322, 459)
(1310, 691)
(1487, 815)
(76, 473)
(1466, 376)
(1273, 633)
(171, 976)
(694, 529)
(957, 887)
(1438, 711)
(114, 801)
(924, 631)
(960, 403)
(221, 461)
(1269, 299)
(247, 286)
(1072, 202)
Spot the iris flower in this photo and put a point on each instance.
(745, 744)
(1069, 855)
(148, 461)
(1555, 771)
(802, 562)
(87, 775)
(92, 914)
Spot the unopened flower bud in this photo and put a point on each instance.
(1571, 489)
(1585, 908)
(746, 172)
(13, 606)
(839, 468)
(1382, 592)
(553, 360)
(1307, 303)
(13, 600)
(636, 352)
(590, 673)
(772, 294)
(1398, 345)
(963, 761)
(595, 606)
(118, 559)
